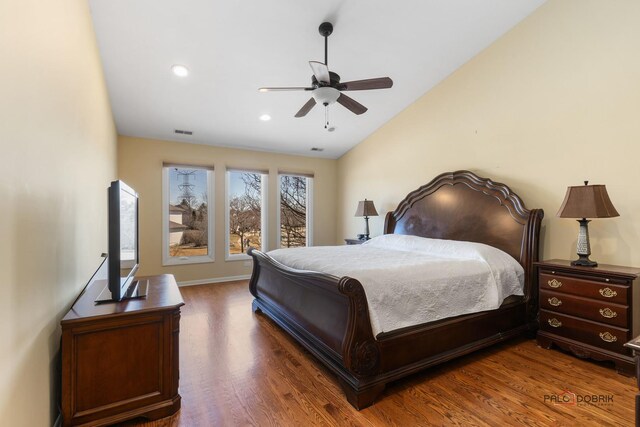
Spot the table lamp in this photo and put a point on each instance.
(582, 202)
(366, 209)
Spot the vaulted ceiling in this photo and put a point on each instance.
(232, 48)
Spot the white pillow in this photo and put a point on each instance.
(441, 248)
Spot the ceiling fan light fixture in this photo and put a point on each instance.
(326, 95)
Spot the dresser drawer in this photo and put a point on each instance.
(600, 311)
(597, 334)
(603, 291)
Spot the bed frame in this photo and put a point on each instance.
(329, 316)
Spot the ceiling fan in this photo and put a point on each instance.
(326, 87)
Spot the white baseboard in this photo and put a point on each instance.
(214, 280)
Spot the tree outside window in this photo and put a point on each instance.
(293, 211)
(245, 211)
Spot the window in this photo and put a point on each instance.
(294, 214)
(246, 212)
(187, 219)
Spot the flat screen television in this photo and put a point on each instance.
(124, 249)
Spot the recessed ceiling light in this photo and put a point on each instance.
(180, 70)
(265, 117)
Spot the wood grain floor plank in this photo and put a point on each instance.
(238, 368)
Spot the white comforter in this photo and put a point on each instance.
(411, 280)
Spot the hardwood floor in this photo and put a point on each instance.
(239, 368)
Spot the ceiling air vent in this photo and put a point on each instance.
(183, 132)
(317, 149)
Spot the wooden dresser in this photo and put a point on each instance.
(589, 311)
(120, 360)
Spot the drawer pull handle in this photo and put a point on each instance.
(608, 313)
(606, 336)
(555, 323)
(556, 302)
(553, 283)
(607, 292)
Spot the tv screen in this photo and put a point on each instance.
(123, 238)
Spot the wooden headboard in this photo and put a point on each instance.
(463, 206)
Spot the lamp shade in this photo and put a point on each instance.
(587, 201)
(366, 208)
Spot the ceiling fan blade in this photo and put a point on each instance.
(378, 83)
(321, 71)
(276, 89)
(306, 108)
(351, 104)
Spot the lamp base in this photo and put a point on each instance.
(366, 228)
(584, 261)
(583, 246)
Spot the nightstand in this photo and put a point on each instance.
(354, 241)
(589, 311)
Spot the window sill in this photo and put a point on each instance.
(237, 257)
(166, 262)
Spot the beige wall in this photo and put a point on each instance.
(553, 102)
(140, 165)
(58, 154)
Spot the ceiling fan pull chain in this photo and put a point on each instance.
(326, 116)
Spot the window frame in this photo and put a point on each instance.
(166, 200)
(309, 212)
(264, 213)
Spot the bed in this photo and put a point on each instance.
(329, 314)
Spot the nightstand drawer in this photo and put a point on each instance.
(596, 334)
(600, 311)
(602, 291)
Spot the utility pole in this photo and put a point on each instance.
(185, 186)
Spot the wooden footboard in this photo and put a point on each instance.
(326, 314)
